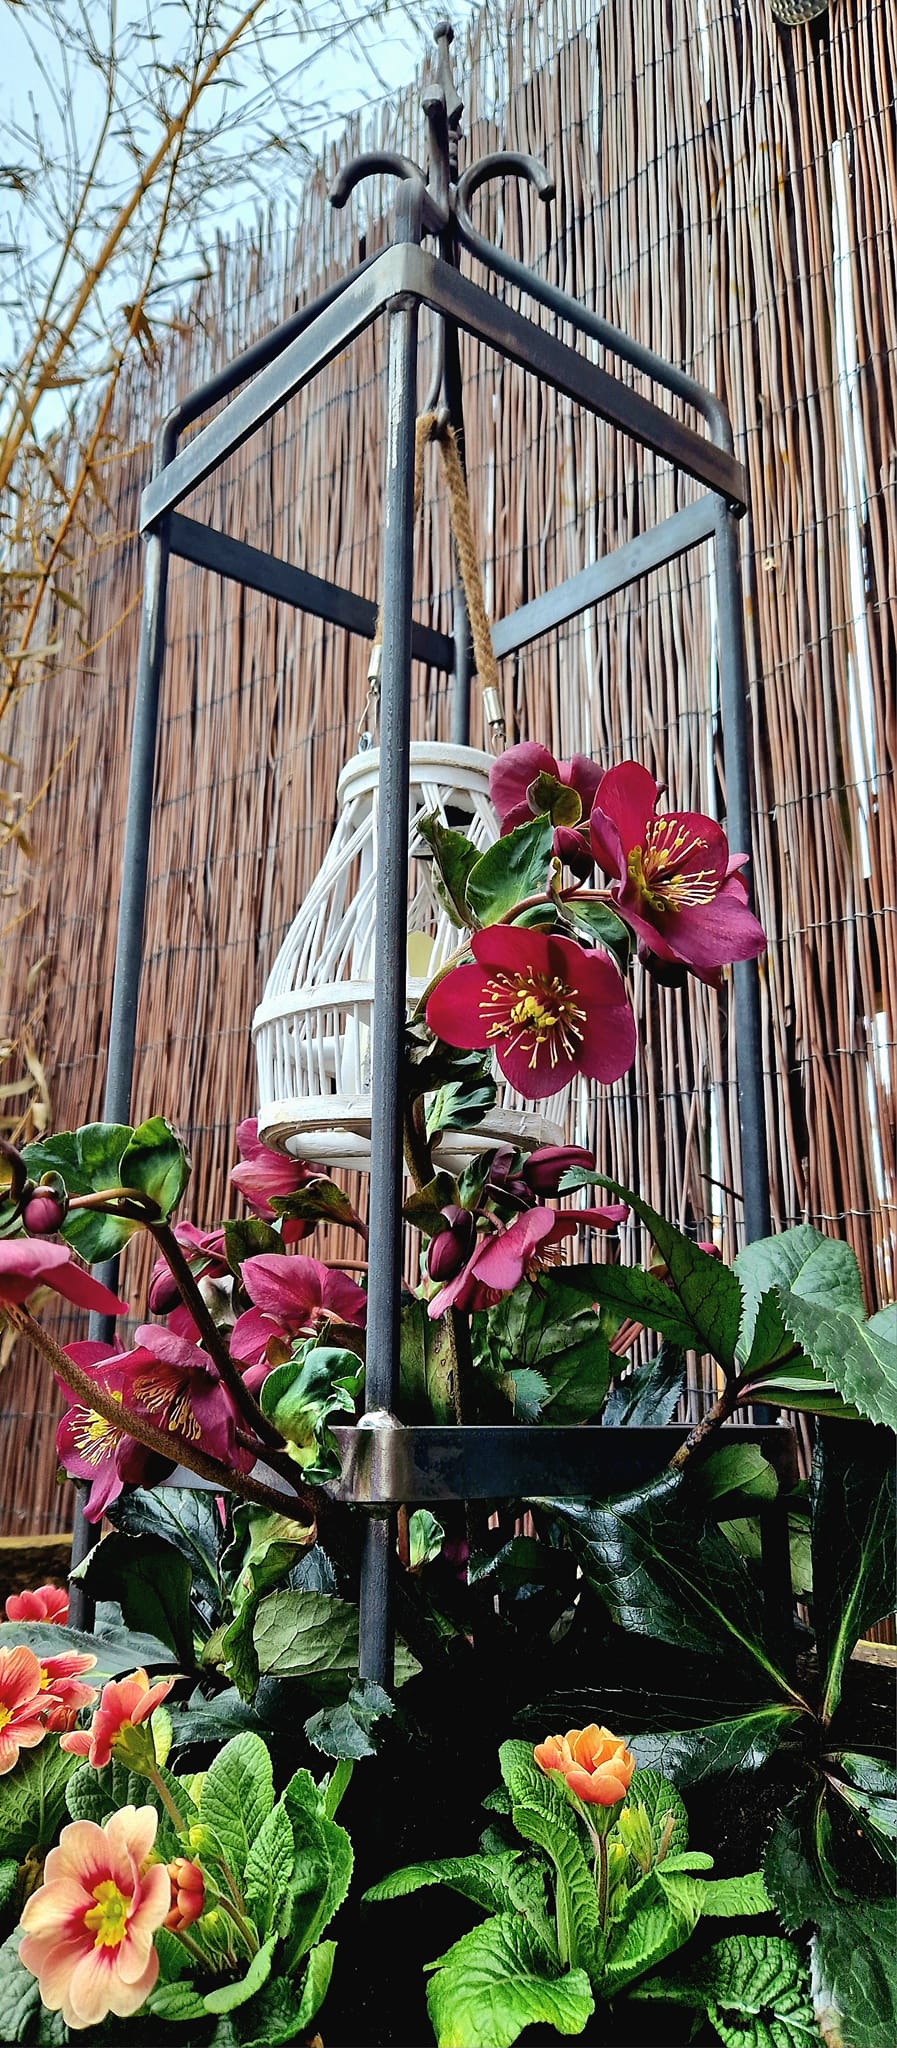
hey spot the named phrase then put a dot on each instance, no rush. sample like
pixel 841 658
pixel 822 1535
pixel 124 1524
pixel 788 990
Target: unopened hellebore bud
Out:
pixel 44 1213
pixel 449 1249
pixel 544 1170
pixel 162 1293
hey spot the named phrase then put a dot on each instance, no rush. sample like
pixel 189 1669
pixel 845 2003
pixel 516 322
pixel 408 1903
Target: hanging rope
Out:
pixel 434 426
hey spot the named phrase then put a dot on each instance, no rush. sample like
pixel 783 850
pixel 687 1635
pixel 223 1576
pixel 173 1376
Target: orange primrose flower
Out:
pixel 595 1765
pixel 24 1705
pixel 124 1703
pixel 188 1893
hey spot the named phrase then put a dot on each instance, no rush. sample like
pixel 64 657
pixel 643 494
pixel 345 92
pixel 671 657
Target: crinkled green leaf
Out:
pixel 497 1980
pixel 269 1869
pixel 176 2003
pixel 9 1875
pixel 150 1578
pixel 19 1994
pixel 664 1918
pixel 487 1880
pixel 345 1730
pixel 516 866
pixel 753 1988
pixel 314 1636
pixel 237 1797
pixel 322 1868
pixel 719 1748
pixel 314 1988
pixel 732 1898
pixel 32 1799
pixel 854 1538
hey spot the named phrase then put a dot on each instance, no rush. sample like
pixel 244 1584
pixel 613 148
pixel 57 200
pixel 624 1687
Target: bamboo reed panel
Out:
pixel 726 192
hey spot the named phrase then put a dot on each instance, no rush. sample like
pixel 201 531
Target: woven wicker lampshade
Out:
pixel 312 1029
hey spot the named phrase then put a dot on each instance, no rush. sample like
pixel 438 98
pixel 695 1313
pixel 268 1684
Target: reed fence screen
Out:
pixel 726 192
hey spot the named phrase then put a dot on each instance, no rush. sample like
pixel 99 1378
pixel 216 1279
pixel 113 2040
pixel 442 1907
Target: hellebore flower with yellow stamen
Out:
pixel 88 1930
pixel 526 781
pixel 546 1007
pixel 595 1765
pixel 90 1447
pixel 674 879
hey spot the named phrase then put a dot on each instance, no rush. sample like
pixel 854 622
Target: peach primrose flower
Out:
pixel 46 1603
pixel 61 1682
pixel 124 1704
pixel 88 1931
pixel 594 1764
pixel 188 1894
pixel 24 1704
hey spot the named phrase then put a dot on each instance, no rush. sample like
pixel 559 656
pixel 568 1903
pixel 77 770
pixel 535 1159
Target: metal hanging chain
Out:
pixel 434 426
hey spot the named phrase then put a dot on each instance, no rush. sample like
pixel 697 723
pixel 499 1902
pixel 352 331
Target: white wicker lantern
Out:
pixel 312 1029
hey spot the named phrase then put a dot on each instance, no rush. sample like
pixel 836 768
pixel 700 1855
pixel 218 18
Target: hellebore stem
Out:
pixel 165 1443
pixel 214 1342
pixel 722 1408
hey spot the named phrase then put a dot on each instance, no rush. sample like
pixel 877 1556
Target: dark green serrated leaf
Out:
pixel 648 1396
pixel 515 867
pixel 719 1748
pixel 499 1979
pixel 186 1518
pixel 151 1581
pixel 631 1292
pixel 854 1498
pixel 707 1291
pixel 663 1571
pixel 854 1943
pixel 858 1358
pixel 822 1268
pixel 345 1731
pixel 752 1986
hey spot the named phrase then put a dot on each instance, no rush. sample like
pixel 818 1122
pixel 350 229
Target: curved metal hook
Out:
pixel 510 163
pixel 378 163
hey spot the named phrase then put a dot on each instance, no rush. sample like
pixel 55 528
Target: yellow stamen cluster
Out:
pixel 93 1436
pixel 656 868
pixel 532 1010
pixel 109 1917
pixel 177 1409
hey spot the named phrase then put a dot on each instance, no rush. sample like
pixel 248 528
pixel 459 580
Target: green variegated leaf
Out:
pixel 499 1979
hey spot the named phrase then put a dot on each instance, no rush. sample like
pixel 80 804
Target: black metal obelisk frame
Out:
pixel 383 1463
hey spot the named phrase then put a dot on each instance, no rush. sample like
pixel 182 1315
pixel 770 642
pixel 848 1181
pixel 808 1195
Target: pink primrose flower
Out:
pixel 89 1928
pixel 674 879
pixel 546 1007
pixel 513 781
pixel 124 1703
pixel 61 1681
pixel 24 1705
pixel 27 1263
pixel 293 1298
pixel 46 1603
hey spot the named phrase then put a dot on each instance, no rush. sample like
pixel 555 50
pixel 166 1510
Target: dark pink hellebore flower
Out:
pixel 205 1254
pixel 88 1447
pixel 547 1008
pixel 499 1261
pixel 293 1298
pixel 513 776
pixel 263 1174
pixel 674 880
pixel 27 1263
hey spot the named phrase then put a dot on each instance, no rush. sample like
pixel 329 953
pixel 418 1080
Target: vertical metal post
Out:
pixel 460 725
pixel 131 908
pixel 749 1044
pixel 390 967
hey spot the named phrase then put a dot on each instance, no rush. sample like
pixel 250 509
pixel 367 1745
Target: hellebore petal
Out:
pixel 27 1263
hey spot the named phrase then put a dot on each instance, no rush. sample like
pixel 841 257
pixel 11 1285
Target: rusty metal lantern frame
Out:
pixel 385 1464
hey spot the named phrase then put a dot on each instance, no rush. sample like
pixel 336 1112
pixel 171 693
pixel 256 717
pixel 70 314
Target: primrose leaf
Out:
pixel 32 1798
pixel 499 1979
pixel 269 1869
pixel 237 1797
pixel 662 1804
pixel 515 867
pixel 20 2000
pixel 753 1988
pixel 487 1880
pixel 322 1867
pixel 229 1996
pixel 732 1898
pixel 663 1918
